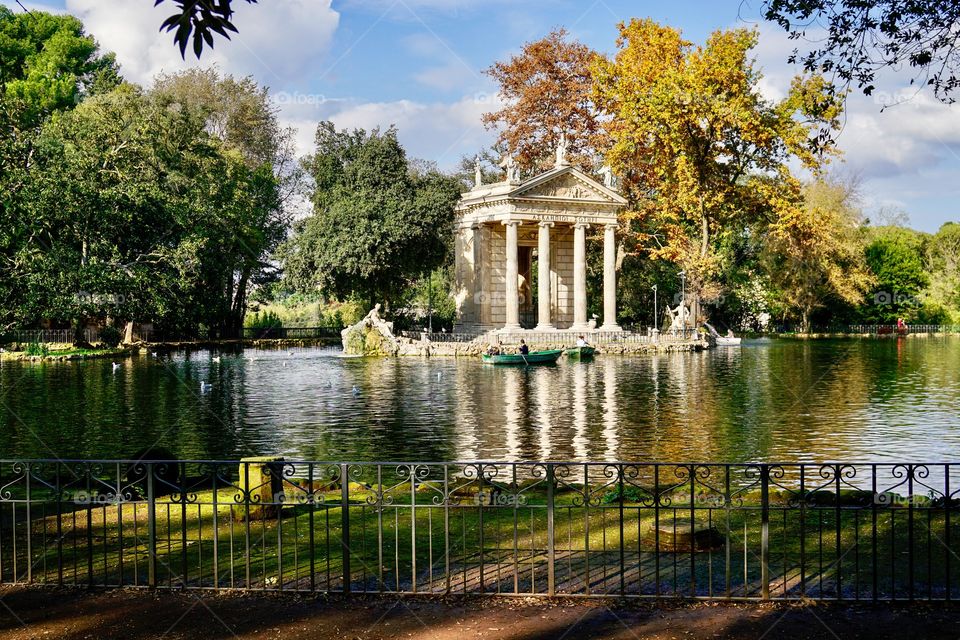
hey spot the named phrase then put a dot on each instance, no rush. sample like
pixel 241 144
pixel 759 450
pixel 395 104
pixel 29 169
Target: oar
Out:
pixel 525 363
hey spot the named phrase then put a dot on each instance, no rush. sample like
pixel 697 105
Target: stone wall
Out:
pixel 480 345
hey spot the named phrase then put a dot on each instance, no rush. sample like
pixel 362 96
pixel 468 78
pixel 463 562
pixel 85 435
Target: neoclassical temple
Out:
pixel 503 229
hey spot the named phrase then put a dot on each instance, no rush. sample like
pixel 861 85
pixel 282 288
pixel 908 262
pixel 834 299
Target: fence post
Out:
pixel 151 529
pixel 765 531
pixel 345 523
pixel 29 524
pixel 551 549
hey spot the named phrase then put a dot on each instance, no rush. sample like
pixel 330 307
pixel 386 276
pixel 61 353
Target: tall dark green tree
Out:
pixel 377 223
pixel 895 255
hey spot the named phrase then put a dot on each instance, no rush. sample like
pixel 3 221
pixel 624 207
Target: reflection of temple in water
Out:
pixel 605 410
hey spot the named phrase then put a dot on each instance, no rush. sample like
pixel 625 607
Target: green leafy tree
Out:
pixel 942 262
pixel 895 256
pixel 48 63
pixel 377 225
pixel 135 211
pixel 264 178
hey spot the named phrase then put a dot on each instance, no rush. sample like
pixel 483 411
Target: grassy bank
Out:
pixel 61 351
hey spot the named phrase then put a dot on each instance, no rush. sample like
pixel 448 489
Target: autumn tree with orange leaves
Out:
pixel 547 89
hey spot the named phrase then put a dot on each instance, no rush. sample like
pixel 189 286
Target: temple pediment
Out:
pixel 567 184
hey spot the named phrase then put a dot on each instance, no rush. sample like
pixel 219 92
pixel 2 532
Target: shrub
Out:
pixel 265 320
pixel 37 349
pixel 110 336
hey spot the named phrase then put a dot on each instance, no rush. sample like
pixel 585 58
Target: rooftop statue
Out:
pixel 477 174
pixel 512 169
pixel 562 152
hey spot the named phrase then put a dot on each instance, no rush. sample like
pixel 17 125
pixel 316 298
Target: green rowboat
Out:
pixel 581 353
pixel 534 357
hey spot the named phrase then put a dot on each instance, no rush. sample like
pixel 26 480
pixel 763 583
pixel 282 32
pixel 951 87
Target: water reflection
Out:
pixel 772 400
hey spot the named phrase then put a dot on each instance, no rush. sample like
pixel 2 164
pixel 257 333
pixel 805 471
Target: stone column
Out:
pixel 544 300
pixel 580 276
pixel 609 279
pixel 478 294
pixel 512 277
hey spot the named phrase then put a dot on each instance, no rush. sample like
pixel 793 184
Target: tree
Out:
pixel 895 256
pixel 699 151
pixel 238 113
pixel 376 225
pixel 942 263
pixel 864 38
pixel 547 88
pixel 134 211
pixel 814 250
pixel 48 64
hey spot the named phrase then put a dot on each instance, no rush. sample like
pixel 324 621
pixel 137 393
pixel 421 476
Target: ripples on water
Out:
pixel 857 400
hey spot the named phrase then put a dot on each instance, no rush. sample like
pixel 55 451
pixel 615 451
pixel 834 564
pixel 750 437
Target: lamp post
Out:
pixel 654 287
pixel 683 300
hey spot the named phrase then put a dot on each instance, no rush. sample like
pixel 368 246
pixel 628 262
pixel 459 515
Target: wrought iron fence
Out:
pixel 717 531
pixel 291 333
pixel 66 336
pixel 442 336
pixel 868 329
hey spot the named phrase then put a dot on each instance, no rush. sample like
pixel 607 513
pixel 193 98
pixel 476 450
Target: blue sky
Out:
pixel 418 64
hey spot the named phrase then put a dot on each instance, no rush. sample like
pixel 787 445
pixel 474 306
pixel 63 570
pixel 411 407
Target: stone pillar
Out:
pixel 544 299
pixel 512 277
pixel 610 279
pixel 580 276
pixel 478 297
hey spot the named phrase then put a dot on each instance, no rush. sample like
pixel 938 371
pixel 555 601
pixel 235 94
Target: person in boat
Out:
pixel 494 349
pixel 582 342
pixel 524 349
pixel 730 333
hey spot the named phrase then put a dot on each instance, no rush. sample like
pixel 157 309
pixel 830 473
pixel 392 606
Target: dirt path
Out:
pixel 76 614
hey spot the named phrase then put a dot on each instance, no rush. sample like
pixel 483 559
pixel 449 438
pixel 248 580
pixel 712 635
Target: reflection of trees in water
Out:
pixel 783 400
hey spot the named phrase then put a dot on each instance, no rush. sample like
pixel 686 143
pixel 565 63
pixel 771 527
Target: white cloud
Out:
pixel 903 143
pixel 279 43
pixel 436 131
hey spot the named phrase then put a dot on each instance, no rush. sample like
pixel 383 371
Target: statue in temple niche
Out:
pixel 512 168
pixel 524 291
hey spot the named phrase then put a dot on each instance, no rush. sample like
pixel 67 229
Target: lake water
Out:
pixel 771 400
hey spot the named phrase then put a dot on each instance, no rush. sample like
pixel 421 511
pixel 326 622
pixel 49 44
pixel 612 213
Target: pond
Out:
pixel 770 400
